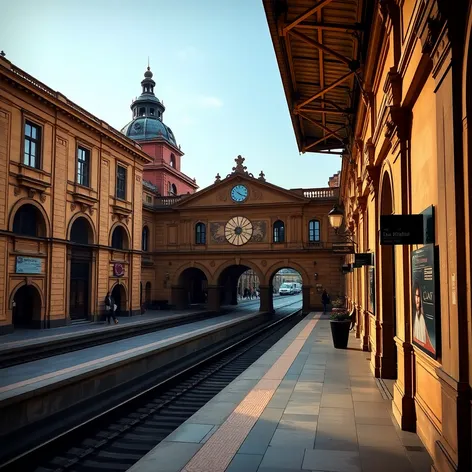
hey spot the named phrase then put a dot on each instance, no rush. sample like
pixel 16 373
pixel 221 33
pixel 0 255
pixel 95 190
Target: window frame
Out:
pixel 314 230
pixel 172 161
pixel 200 234
pixel 117 187
pixel 145 239
pixel 277 230
pixel 38 142
pixel 88 150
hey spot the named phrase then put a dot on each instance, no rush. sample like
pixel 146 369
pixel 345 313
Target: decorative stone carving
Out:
pixel 42 197
pixel 369 151
pixel 222 196
pixel 393 87
pixel 16 191
pixel 217 232
pixel 240 168
pixel 262 176
pixel 73 206
pixel 31 193
pixel 217 178
pixel 256 194
pixel 264 263
pixel 259 231
pixel 212 264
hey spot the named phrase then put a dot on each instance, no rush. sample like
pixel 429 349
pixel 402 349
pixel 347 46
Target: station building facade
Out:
pixel 87 209
pixel 406 152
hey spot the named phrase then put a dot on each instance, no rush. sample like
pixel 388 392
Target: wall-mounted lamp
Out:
pixel 316 275
pixel 335 217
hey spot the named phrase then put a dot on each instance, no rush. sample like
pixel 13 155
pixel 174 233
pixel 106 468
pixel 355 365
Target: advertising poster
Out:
pixel 371 290
pixel 425 304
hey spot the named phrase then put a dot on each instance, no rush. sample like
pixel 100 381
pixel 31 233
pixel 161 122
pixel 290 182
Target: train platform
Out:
pixel 303 406
pixel 27 344
pixel 35 390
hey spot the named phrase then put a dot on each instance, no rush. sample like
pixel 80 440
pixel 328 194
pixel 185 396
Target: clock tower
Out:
pixel 158 141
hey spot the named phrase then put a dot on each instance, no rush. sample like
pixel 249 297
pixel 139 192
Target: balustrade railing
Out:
pixel 318 193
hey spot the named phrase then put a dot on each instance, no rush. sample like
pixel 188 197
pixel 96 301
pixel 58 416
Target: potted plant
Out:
pixel 340 322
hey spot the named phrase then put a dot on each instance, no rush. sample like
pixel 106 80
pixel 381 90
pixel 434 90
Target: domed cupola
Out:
pixel 148 112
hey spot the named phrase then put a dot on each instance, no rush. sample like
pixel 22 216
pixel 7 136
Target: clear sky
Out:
pixel 214 67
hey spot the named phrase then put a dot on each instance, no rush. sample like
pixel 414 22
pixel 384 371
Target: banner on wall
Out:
pixel 425 305
pixel 372 290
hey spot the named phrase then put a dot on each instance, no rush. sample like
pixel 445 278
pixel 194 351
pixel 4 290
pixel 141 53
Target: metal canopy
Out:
pixel 319 45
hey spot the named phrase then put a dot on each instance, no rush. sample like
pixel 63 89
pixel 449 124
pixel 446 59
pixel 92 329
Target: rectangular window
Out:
pixel 83 166
pixel 32 151
pixel 121 182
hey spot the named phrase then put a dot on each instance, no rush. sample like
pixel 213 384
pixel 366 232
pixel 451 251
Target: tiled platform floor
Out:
pixel 308 406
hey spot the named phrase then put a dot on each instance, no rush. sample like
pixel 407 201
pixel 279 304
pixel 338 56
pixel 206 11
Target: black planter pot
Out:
pixel 340 333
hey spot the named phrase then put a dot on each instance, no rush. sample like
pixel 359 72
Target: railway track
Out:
pixel 119 437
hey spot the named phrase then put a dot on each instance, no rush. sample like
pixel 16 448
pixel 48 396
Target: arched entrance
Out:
pixel 287 282
pixel 26 307
pixel 192 289
pixel 387 354
pixel 119 295
pixel 80 269
pixel 237 280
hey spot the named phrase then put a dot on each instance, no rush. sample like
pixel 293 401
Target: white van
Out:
pixel 286 289
pixel 297 287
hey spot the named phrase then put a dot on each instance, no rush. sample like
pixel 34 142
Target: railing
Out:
pixel 317 193
pixel 167 201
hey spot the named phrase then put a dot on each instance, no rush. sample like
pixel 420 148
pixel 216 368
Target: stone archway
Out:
pixel 26 307
pixel 386 355
pixel 191 288
pixel 119 295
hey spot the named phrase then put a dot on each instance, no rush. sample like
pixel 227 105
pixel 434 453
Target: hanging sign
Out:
pixel 363 259
pixel 401 229
pixel 425 312
pixel 118 269
pixel 346 268
pixel 28 265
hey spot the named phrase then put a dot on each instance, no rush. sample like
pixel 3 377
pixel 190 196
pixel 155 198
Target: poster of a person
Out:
pixel 420 330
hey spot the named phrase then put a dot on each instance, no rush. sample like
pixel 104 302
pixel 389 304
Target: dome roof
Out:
pixel 146 128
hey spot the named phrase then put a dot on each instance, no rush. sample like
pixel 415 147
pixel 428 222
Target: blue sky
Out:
pixel 214 67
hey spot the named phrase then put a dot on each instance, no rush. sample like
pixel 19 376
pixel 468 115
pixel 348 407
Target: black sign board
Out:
pixel 401 229
pixel 363 259
pixel 425 303
pixel 428 218
pixel 346 268
pixel 343 248
pixel 372 290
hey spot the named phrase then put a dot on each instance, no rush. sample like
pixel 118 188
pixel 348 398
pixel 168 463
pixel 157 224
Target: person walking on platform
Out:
pixel 325 300
pixel 110 308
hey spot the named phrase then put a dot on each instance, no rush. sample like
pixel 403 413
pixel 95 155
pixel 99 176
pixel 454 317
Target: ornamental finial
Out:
pixel 217 178
pixel 262 176
pixel 240 168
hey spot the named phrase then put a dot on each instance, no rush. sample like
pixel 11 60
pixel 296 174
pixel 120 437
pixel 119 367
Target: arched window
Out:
pixel 172 160
pixel 119 239
pixel 81 232
pixel 28 221
pixel 200 233
pixel 151 111
pixel 145 239
pixel 142 111
pixel 314 234
pixel 279 232
pixel 172 189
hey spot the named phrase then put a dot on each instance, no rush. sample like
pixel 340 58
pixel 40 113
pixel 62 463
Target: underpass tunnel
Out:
pixel 287 282
pixel 192 289
pixel 229 283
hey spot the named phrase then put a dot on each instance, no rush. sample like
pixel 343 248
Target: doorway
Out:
pixel 26 307
pixel 388 316
pixel 79 289
pixel 119 295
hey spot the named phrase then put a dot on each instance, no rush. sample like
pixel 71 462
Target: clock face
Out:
pixel 239 193
pixel 238 230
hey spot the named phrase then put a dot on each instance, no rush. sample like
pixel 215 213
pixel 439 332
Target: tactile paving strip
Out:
pixel 217 453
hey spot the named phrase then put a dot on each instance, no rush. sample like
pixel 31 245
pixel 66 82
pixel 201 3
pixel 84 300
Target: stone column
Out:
pixel 306 291
pixel 213 303
pixel 267 304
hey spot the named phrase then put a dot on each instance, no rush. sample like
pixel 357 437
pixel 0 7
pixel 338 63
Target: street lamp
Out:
pixel 335 217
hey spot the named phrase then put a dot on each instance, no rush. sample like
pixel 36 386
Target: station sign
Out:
pixel 343 248
pixel 401 229
pixel 363 259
